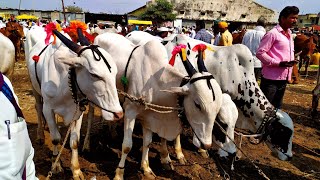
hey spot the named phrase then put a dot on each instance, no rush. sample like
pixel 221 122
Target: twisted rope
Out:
pixel 62 146
pixel 149 106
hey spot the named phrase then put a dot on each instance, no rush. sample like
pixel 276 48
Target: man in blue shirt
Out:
pixel 202 33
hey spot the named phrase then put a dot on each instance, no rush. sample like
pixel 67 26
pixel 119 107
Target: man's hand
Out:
pixel 288 63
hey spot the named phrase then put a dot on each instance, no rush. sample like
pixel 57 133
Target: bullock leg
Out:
pixel 129 121
pixel 74 142
pixel 295 75
pixel 86 143
pixel 41 120
pixel 164 154
pixel 178 150
pixel 306 67
pixel 55 136
pixel 147 139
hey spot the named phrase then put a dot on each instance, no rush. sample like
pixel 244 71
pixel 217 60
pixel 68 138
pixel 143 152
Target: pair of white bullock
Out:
pixel 92 73
pixel 232 67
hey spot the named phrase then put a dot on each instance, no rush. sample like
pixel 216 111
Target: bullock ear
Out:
pixel 184 90
pixel 71 61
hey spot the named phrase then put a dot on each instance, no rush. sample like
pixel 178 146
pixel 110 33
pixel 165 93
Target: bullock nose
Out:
pixel 118 115
pixel 289 158
pixel 206 146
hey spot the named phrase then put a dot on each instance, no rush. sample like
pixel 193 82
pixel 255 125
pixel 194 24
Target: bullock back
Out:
pixel 14 31
pixel 305 44
pixel 237 37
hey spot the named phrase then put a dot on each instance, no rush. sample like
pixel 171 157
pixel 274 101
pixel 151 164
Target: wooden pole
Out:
pixel 19 7
pixel 64 12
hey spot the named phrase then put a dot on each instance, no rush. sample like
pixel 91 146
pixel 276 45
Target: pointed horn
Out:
pixel 200 62
pixel 71 45
pixel 83 40
pixel 189 68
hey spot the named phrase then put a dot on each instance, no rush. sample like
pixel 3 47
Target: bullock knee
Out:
pixel 73 140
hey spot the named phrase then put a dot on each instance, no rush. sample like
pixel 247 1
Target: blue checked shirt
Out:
pixel 203 35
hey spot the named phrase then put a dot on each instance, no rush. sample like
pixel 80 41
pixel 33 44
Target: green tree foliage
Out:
pixel 74 9
pixel 159 12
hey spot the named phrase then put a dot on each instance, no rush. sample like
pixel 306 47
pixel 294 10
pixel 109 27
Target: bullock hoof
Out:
pixel 254 140
pixel 149 175
pixel 203 153
pixel 119 174
pixel 78 175
pixel 238 156
pixel 168 166
pixel 57 169
pixel 182 161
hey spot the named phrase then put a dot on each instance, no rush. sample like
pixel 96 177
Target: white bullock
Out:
pixel 7 56
pixel 151 77
pixel 232 67
pixel 16 151
pixel 225 144
pixel 140 37
pixel 34 35
pixel 88 71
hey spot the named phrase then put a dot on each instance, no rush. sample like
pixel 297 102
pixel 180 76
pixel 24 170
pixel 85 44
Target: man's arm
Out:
pixel 262 52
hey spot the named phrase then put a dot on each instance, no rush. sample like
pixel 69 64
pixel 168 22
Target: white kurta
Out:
pixel 17 152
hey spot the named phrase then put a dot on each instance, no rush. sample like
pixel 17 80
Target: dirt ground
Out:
pixel 103 159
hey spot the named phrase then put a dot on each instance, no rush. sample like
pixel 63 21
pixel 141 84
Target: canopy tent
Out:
pixel 26 16
pixel 133 21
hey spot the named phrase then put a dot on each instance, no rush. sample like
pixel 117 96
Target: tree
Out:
pixel 74 9
pixel 159 12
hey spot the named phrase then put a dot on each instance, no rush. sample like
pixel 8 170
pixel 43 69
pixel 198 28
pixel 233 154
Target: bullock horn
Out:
pixel 71 45
pixel 189 68
pixel 83 40
pixel 200 62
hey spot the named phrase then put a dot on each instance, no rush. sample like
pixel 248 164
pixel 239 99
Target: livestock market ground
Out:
pixel 103 159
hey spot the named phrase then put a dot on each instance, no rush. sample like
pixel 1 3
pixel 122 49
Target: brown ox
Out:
pixel 306 45
pixel 237 37
pixel 14 31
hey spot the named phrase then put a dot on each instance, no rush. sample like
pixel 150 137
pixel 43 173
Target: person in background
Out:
pixel 119 29
pixel 162 32
pixel 216 34
pixel 276 52
pixel 252 40
pixel 202 33
pixel 226 37
pixel 193 32
pixel 315 58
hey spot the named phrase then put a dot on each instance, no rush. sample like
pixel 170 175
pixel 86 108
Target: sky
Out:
pixel 124 6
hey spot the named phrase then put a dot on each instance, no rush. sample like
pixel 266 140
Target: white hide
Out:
pixel 7 58
pixel 140 37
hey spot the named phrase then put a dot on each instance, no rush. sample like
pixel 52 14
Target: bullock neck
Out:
pixel 79 97
pixel 253 104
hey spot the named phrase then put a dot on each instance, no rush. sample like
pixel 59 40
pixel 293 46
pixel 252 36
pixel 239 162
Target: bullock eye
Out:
pixel 96 76
pixel 197 105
